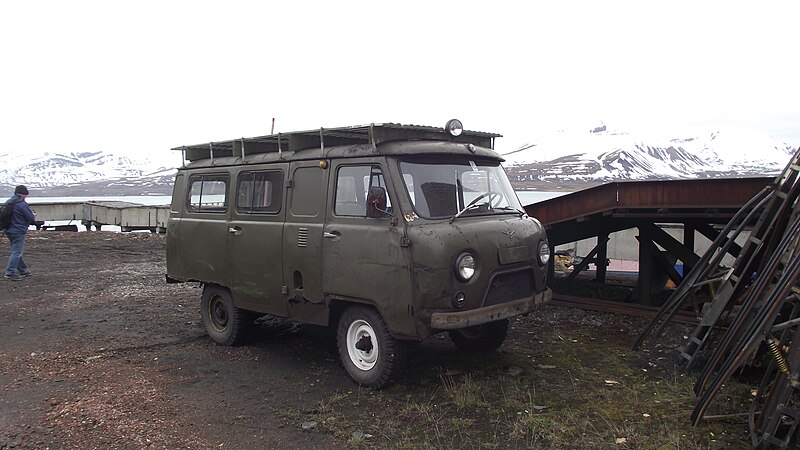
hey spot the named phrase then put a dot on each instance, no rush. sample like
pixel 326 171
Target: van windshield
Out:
pixel 450 189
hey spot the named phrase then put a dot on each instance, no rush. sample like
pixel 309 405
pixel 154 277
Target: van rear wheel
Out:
pixel 369 353
pixel 481 338
pixel 224 322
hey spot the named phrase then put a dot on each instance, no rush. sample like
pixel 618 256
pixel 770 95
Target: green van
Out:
pixel 390 233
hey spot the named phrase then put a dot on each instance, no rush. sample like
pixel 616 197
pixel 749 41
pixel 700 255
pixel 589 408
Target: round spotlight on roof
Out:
pixel 454 127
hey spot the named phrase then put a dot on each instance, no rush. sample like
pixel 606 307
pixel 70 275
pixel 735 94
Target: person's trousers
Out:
pixel 16 265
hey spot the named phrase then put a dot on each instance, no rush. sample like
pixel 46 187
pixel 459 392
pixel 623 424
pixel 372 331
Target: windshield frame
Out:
pixel 483 175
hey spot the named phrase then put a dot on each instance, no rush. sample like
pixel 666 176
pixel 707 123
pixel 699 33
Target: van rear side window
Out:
pixel 260 192
pixel 208 193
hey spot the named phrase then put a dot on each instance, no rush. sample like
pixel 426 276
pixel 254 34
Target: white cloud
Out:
pixel 148 76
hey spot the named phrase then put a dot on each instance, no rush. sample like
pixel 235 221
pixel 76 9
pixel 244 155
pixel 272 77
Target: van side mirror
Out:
pixel 376 202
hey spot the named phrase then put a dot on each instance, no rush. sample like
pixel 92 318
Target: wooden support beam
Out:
pixel 645 264
pixel 688 242
pixel 665 265
pixel 672 245
pixel 711 234
pixel 602 258
pixel 584 263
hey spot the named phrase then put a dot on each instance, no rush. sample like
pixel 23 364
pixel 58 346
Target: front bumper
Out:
pixel 479 316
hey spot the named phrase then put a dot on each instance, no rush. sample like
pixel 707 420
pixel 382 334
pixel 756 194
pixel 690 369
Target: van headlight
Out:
pixel 465 266
pixel 544 253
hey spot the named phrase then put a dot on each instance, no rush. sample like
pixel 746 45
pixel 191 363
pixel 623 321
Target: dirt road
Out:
pixel 97 351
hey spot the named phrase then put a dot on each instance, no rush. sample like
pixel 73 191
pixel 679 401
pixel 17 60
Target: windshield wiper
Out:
pixel 466 208
pixel 472 205
pixel 511 208
pixel 489 195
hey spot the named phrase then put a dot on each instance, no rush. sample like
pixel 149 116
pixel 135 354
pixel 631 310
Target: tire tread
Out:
pixel 393 350
pixel 494 333
pixel 239 321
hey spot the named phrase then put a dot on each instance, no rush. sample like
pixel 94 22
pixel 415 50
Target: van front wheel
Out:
pixel 224 322
pixel 370 355
pixel 481 338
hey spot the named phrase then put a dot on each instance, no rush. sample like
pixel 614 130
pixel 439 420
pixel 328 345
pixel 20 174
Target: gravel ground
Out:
pixel 97 351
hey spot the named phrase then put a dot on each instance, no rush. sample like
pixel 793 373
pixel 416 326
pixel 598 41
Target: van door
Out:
pixel 302 241
pixel 255 239
pixel 203 228
pixel 361 255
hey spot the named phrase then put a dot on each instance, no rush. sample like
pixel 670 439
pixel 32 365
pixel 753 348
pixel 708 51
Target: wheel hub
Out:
pixel 218 314
pixel 364 344
pixel 362 348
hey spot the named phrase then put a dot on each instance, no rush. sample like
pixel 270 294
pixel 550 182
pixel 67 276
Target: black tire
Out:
pixel 370 355
pixel 224 322
pixel 481 338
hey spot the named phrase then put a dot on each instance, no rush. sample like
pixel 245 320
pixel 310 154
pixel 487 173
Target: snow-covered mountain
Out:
pixel 97 173
pixel 571 159
pixel 599 155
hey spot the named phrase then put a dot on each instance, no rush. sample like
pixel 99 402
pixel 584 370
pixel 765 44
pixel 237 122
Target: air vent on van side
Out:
pixel 302 237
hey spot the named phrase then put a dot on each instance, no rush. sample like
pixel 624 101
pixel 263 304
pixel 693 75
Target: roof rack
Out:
pixel 373 134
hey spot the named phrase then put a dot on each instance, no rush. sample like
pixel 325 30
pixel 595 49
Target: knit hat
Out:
pixel 21 190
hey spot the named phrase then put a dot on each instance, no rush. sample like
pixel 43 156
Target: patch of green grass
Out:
pixel 565 391
pixel 463 393
pixel 460 423
pixel 536 429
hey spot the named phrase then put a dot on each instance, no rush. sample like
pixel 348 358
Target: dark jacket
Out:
pixel 22 217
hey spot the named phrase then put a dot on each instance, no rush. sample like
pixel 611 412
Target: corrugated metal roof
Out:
pixel 328 137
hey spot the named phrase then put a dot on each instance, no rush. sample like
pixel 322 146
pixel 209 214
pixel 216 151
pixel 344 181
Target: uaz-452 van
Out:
pixel 390 233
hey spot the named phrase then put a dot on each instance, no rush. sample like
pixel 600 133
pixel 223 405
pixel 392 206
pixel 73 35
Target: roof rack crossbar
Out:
pixel 322 142
pixel 373 134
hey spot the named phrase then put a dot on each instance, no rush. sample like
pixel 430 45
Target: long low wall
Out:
pixel 127 216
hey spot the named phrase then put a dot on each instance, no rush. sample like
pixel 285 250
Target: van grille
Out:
pixel 302 237
pixel 506 287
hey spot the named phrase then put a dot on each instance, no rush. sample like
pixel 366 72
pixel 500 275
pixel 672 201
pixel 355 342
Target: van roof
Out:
pixel 374 134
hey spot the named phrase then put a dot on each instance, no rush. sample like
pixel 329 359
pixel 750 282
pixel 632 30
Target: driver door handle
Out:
pixel 331 235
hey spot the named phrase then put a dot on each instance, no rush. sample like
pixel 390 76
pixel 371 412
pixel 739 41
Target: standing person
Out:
pixel 21 218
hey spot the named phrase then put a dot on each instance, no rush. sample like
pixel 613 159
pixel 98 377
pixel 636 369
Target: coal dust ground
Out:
pixel 98 351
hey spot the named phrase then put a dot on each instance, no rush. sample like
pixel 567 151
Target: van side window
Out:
pixel 307 191
pixel 352 186
pixel 260 192
pixel 208 193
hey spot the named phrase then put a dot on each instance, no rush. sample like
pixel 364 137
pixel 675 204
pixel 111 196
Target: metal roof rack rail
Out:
pixel 373 134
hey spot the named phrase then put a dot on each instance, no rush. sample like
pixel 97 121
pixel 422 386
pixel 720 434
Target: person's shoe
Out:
pixel 24 275
pixel 14 277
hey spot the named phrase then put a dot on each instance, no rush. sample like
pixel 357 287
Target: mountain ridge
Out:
pixel 561 160
pixel 599 156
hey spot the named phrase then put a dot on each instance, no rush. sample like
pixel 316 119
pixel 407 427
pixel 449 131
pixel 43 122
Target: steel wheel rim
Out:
pixel 363 360
pixel 218 313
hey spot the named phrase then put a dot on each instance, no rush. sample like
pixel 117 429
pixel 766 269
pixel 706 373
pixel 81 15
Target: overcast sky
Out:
pixel 147 76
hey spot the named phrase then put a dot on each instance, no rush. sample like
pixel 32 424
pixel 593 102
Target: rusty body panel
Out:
pixel 665 195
